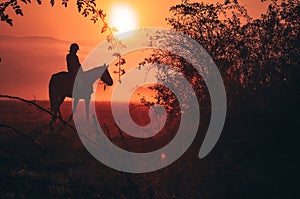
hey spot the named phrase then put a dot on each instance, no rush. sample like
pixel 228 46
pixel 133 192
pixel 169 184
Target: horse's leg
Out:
pixel 53 121
pixel 60 101
pixel 87 107
pixel 55 112
pixel 75 102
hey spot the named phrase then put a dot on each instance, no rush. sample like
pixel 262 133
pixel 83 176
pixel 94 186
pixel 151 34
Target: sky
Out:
pixel 35 47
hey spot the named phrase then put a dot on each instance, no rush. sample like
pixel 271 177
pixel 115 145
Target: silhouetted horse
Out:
pixel 61 85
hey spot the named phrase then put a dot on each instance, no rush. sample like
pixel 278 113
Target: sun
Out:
pixel 123 18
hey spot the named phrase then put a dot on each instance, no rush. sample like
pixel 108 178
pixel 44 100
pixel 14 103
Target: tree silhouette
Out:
pixel 251 54
pixel 85 7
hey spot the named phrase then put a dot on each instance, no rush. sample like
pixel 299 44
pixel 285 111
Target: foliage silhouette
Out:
pixel 85 7
pixel 251 54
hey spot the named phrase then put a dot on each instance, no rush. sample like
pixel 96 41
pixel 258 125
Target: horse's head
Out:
pixel 106 78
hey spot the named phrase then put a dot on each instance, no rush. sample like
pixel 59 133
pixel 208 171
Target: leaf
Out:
pixel 79 5
pixel 103 30
pixel 64 3
pixel 122 61
pixel 24 1
pixel 19 12
pixel 85 12
pixel 16 7
pixel 93 2
pixel 122 72
pixel 94 19
pixel 9 21
pixel 109 38
pixel 101 13
pixel 116 54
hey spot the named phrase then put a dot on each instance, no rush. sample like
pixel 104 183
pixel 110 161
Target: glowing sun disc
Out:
pixel 123 18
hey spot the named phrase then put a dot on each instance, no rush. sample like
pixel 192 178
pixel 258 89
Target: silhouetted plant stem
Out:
pixel 39 107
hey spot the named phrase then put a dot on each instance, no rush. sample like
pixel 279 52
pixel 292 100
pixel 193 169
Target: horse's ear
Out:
pixel 105 65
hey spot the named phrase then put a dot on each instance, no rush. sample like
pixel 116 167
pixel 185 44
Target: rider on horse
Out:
pixel 62 84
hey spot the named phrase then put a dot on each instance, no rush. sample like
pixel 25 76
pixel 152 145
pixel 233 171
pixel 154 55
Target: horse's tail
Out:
pixel 52 94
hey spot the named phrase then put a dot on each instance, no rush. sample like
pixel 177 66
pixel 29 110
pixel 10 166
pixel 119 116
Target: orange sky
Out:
pixel 45 33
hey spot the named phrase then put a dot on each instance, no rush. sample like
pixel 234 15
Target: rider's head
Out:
pixel 74 48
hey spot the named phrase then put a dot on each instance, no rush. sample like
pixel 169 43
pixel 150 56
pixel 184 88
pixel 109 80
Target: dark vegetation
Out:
pixel 258 58
pixel 85 7
pixel 255 157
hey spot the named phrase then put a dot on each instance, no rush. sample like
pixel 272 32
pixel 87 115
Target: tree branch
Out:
pixel 39 107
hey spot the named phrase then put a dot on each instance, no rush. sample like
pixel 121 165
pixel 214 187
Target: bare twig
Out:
pixel 129 177
pixel 39 107
pixel 107 132
pixel 122 137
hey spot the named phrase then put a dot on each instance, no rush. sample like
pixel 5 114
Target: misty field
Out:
pixel 255 157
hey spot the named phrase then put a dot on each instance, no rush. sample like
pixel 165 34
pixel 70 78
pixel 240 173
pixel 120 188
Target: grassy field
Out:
pixel 256 157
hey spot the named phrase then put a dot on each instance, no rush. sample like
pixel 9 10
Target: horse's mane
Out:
pixel 93 74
